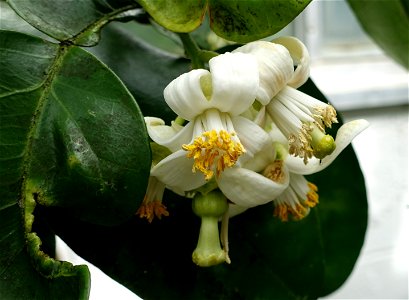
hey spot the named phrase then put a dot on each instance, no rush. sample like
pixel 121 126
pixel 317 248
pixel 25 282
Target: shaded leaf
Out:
pixel 13 22
pixel 76 21
pixel 387 22
pixel 343 213
pixel 71 135
pixel 145 70
pixel 239 21
pixel 270 259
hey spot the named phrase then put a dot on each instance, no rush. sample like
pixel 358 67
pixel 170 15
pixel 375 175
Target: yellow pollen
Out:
pixel 326 115
pixel 281 211
pixel 151 209
pixel 284 210
pixel 312 195
pixel 213 150
pixel 275 172
pixel 300 144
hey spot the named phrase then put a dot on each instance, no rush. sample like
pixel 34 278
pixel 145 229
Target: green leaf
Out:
pixel 11 21
pixel 178 16
pixel 270 259
pixel 239 21
pixel 145 70
pixel 246 21
pixel 343 213
pixel 72 136
pixel 78 22
pixel 387 22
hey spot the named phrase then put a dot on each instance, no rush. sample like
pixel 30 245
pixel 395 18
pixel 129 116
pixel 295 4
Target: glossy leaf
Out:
pixel 78 22
pixel 72 136
pixel 178 16
pixel 145 70
pixel 342 212
pixel 245 21
pixel 387 22
pixel 270 259
pixel 239 21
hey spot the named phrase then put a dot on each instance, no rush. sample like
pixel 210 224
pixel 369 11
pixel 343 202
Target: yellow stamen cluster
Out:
pixel 312 195
pixel 282 210
pixel 298 209
pixel 326 115
pixel 275 171
pixel 300 145
pixel 214 150
pixel 150 209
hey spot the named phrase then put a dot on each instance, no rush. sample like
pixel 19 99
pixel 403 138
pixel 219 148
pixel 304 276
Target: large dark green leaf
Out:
pixel 71 135
pixel 235 20
pixel 342 212
pixel 387 22
pixel 270 259
pixel 76 21
pixel 145 70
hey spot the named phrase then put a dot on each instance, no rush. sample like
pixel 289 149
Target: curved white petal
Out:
pixel 176 172
pixel 184 94
pixel 301 58
pixel 252 137
pixel 261 159
pixel 171 137
pixel 234 82
pixel 346 133
pixel 235 210
pixel 275 67
pixel 247 188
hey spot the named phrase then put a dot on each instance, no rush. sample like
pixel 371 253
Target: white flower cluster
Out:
pixel 248 131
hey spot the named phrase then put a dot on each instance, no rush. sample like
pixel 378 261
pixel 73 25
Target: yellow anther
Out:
pixel 151 209
pixel 327 115
pixel 275 171
pixel 284 210
pixel 281 212
pixel 214 151
pixel 312 195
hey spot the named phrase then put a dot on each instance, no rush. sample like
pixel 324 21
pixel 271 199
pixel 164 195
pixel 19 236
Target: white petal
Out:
pixel 235 82
pixel 252 137
pixel 301 58
pixel 184 94
pixel 275 67
pixel 176 172
pixel 261 159
pixel 171 137
pixel 235 210
pixel 346 133
pixel 247 188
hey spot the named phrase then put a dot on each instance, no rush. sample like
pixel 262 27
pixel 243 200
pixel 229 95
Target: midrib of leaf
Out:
pixel 98 24
pixel 27 197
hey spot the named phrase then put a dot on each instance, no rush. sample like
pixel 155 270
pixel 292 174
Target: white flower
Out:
pixel 273 174
pixel 302 195
pixel 276 61
pixel 300 117
pixel 259 181
pixel 216 137
pixel 303 120
pixel 296 200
